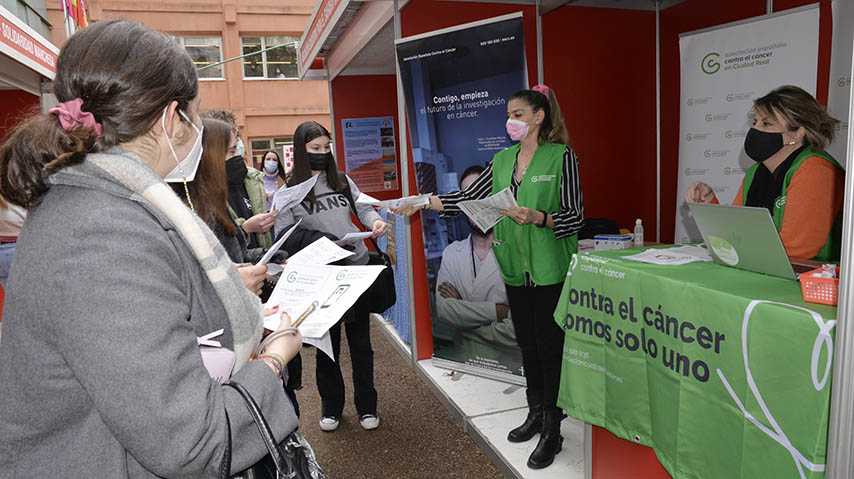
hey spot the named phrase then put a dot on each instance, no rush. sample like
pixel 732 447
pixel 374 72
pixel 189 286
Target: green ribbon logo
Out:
pixel 710 64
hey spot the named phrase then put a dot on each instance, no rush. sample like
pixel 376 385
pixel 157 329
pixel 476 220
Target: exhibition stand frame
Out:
pixel 615 67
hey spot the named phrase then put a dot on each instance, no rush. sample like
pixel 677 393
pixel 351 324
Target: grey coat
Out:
pixel 100 372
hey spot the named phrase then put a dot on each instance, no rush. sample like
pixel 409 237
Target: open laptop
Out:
pixel 745 237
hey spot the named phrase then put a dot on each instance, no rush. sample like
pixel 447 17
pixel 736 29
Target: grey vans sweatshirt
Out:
pixel 330 213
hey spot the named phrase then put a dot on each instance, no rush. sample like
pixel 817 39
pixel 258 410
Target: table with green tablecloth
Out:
pixel 724 373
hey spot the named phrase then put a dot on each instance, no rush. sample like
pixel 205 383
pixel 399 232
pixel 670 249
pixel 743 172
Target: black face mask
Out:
pixel 235 170
pixel 319 161
pixel 761 145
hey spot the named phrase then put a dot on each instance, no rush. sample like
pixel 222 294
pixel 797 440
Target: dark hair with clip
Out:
pixel 125 74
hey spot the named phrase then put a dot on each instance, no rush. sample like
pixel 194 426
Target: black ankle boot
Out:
pixel 532 425
pixel 550 440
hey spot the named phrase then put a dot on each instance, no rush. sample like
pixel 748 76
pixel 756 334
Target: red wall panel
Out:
pixel 365 96
pixel 15 105
pixel 601 64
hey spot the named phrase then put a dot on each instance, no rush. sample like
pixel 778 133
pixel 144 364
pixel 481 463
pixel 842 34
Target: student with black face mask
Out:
pixel 248 200
pixel 801 185
pixel 326 210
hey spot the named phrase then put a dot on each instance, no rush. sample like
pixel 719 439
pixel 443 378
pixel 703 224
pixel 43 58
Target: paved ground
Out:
pixel 417 439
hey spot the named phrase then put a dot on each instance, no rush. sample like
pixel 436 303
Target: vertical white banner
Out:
pixel 839 92
pixel 723 71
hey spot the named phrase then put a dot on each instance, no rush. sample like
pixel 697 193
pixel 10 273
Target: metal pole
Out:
pixel 658 121
pixel 295 44
pixel 404 186
pixel 769 7
pixel 332 113
pixel 65 18
pixel 540 75
pixel 840 441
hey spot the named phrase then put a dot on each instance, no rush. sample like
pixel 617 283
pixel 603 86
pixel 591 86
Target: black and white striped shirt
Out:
pixel 568 220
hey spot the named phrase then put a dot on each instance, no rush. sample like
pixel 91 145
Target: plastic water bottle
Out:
pixel 638 239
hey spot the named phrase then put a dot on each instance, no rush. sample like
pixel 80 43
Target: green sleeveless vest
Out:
pixel 522 249
pixel 832 248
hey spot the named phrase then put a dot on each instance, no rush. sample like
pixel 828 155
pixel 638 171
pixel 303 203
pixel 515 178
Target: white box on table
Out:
pixel 606 242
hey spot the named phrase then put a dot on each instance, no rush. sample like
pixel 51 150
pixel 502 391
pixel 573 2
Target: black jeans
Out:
pixel 539 337
pixel 330 382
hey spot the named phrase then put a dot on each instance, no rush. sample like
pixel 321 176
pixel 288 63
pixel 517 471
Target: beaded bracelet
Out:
pixel 277 356
pixel 277 365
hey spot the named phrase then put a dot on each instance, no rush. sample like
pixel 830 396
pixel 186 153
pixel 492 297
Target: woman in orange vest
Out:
pixel 801 185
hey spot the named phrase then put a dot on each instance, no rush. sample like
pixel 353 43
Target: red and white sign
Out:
pixel 22 43
pixel 327 12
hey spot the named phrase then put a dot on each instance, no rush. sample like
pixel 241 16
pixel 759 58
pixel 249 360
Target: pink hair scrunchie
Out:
pixel 70 115
pixel 542 89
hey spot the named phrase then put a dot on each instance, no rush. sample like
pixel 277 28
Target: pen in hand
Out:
pixel 305 314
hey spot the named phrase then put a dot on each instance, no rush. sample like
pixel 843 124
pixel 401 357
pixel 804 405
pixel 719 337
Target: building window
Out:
pixel 204 51
pixel 283 145
pixel 276 63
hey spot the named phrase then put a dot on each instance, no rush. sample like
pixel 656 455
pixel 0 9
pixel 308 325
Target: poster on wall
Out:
pixel 722 72
pixel 456 83
pixel 369 153
pixel 839 93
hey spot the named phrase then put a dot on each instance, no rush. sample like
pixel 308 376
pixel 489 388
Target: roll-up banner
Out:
pixel 839 92
pixel 456 84
pixel 723 71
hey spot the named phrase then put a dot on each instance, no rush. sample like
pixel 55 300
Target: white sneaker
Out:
pixel 329 424
pixel 369 421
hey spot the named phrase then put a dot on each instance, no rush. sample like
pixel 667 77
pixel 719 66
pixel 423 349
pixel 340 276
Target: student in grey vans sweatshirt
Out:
pixel 326 209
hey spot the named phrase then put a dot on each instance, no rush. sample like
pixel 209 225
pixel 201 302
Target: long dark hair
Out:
pixel 280 172
pixel 209 189
pixel 305 133
pixel 125 74
pixel 553 128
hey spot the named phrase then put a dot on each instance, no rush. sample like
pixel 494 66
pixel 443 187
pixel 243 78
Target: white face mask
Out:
pixel 188 167
pixel 239 149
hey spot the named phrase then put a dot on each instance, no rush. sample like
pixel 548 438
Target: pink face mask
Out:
pixel 517 129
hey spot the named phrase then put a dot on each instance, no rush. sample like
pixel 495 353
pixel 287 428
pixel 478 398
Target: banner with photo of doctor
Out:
pixel 456 84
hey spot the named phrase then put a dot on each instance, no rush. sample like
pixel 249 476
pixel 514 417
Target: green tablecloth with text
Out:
pixel 724 373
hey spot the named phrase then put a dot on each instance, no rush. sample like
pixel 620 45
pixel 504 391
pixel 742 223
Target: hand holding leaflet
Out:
pixel 270 252
pixel 419 200
pixel 486 213
pixel 334 288
pixel 286 197
pixel 351 238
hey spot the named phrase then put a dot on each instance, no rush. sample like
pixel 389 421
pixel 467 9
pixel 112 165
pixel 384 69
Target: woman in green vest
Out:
pixel 801 185
pixel 533 245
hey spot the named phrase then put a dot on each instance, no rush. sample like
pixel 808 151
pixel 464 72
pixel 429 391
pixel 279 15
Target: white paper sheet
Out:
pixel 351 238
pixel 323 343
pixel 699 251
pixel 322 251
pixel 419 200
pixel 286 197
pixel 664 257
pixel 270 252
pixel 335 288
pixel 486 213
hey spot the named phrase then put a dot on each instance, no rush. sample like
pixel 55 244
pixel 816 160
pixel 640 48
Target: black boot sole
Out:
pixel 544 465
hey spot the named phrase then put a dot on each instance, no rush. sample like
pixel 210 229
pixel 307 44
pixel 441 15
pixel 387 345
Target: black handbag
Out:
pixel 381 294
pixel 293 458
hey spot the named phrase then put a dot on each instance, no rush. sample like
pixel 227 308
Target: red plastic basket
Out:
pixel 820 290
